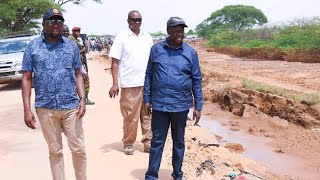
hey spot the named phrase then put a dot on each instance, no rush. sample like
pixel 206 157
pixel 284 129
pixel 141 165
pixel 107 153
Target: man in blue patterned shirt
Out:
pixel 55 63
pixel 173 79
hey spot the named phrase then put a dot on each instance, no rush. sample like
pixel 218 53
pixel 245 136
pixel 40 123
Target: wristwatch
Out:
pixel 82 98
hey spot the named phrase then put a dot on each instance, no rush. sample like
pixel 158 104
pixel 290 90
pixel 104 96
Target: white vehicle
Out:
pixel 11 55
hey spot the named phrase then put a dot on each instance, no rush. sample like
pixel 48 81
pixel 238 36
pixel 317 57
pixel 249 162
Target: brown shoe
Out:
pixel 146 149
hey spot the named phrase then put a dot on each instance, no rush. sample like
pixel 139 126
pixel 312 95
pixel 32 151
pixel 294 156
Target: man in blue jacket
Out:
pixel 172 84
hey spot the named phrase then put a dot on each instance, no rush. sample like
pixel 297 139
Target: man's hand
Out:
pixel 147 109
pixel 81 109
pixel 196 116
pixel 29 119
pixel 114 91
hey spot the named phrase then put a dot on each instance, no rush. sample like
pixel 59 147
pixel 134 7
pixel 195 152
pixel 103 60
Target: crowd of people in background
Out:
pixel 100 43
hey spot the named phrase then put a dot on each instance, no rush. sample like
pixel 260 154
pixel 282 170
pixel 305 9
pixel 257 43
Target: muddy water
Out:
pixel 257 148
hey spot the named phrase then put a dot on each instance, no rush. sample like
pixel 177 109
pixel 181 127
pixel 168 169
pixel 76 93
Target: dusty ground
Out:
pixel 221 158
pixel 224 74
pixel 23 152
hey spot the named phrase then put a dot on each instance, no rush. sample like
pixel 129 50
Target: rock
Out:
pixel 252 130
pixel 238 166
pixel 270 135
pixel 188 145
pixel 237 109
pixel 235 147
pixel 263 130
pixel 279 122
pixel 279 151
pixel 219 138
pixel 234 128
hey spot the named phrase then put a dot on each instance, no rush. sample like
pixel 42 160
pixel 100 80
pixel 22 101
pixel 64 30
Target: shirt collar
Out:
pixel 165 43
pixel 130 33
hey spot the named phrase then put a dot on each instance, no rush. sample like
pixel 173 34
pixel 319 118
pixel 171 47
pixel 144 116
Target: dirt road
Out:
pixel 24 154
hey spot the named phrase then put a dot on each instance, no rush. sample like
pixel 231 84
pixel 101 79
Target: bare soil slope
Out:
pixel 292 126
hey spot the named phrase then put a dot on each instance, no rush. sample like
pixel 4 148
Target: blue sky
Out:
pixel 110 17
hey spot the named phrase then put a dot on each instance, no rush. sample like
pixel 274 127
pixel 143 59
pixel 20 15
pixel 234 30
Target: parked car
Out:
pixel 11 55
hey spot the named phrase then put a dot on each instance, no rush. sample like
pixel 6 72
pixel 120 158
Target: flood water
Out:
pixel 257 148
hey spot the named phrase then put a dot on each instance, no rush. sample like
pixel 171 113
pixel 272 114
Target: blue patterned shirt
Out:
pixel 173 78
pixel 53 67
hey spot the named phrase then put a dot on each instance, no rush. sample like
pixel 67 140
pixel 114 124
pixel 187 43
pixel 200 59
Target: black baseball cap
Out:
pixel 53 12
pixel 175 21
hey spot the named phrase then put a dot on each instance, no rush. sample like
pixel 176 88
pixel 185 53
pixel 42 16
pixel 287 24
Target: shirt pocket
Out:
pixel 67 61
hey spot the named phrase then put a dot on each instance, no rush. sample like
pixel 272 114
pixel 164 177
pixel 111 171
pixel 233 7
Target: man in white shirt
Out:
pixel 130 53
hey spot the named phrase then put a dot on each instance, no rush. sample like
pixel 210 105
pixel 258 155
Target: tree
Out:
pixel 20 15
pixel 157 34
pixel 77 2
pixel 234 17
pixel 190 33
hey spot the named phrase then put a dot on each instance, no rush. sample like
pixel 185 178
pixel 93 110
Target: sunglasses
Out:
pixel 136 20
pixel 52 22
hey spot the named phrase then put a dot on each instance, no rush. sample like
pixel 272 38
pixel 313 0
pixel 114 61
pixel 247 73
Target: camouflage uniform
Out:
pixel 84 63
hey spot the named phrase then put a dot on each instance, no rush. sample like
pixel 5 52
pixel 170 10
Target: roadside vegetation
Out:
pixel 309 99
pixel 237 30
pixel 25 15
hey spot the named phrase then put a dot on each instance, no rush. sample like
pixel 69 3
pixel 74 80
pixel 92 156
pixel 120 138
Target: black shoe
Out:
pixel 88 102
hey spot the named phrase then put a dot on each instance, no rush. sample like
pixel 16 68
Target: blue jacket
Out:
pixel 173 78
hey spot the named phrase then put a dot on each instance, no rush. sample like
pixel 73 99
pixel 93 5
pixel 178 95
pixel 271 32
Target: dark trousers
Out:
pixel 160 124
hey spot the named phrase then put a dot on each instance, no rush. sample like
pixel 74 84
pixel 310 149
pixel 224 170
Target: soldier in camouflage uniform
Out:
pixel 83 49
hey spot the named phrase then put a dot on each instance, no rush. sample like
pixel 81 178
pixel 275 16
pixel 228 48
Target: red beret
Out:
pixel 76 29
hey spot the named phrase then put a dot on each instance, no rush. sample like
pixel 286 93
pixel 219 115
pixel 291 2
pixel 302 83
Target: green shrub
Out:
pixel 224 38
pixel 309 99
pixel 298 38
pixel 299 34
pixel 255 43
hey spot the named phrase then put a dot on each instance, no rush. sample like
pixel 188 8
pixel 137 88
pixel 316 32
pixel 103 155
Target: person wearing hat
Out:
pixel 172 85
pixel 129 52
pixel 75 37
pixel 54 61
pixel 65 33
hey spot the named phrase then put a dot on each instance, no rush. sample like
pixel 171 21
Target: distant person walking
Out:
pixel 129 53
pixel 92 44
pixel 75 37
pixel 98 44
pixel 108 44
pixel 173 79
pixel 59 94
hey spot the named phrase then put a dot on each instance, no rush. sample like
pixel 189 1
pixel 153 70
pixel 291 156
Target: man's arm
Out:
pixel 147 87
pixel 114 90
pixel 29 118
pixel 196 88
pixel 84 48
pixel 81 93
